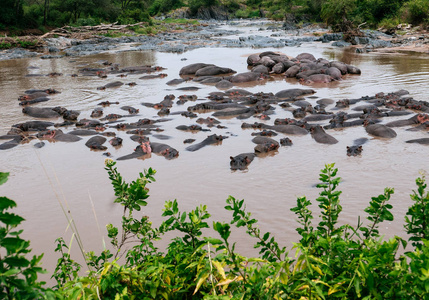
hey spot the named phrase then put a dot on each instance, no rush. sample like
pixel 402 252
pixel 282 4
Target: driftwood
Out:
pixel 69 30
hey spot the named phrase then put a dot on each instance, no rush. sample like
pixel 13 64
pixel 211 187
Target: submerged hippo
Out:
pixel 210 140
pixel 193 68
pixel 241 161
pixel 356 149
pixel 41 112
pixel 96 143
pixel 320 136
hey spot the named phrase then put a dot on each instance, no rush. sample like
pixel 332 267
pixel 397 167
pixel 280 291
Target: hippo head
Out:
pixel 240 162
pixel 266 147
pixel 354 150
pixel 422 118
pixel 342 103
pixel 286 142
pixel 170 153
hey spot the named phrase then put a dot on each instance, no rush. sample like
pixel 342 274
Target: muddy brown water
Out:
pixel 71 174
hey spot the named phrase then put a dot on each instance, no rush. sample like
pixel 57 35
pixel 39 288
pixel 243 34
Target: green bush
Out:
pixel 195 5
pixel 331 260
pixel 86 22
pixel 131 16
pixel 18 275
pixel 416 12
pixel 163 6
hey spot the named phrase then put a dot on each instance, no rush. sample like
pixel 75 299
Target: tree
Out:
pixel 337 14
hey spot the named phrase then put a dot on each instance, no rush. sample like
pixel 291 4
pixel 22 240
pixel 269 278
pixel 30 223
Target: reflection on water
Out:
pixel 73 175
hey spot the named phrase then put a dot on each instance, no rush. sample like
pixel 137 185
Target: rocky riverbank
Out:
pixel 179 38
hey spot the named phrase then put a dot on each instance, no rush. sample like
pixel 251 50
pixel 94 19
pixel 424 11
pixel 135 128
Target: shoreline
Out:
pixel 180 37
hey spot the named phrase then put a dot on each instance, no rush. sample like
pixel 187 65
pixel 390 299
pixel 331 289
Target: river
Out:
pixel 72 176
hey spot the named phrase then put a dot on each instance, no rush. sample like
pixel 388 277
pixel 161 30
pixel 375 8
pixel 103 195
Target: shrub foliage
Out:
pixel 330 261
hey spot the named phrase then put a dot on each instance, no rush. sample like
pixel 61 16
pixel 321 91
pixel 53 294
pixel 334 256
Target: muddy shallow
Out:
pixel 72 174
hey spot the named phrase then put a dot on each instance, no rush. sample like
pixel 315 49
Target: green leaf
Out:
pixel 20 262
pixel 141 202
pixel 213 241
pixel 11 219
pixel 6 203
pixel 14 244
pixel 3 177
pixel 10 272
pixel 183 217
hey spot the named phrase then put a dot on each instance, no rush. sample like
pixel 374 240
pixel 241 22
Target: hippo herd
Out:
pixel 317 119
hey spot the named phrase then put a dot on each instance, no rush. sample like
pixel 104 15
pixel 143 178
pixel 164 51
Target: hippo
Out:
pixel 241 161
pixel 340 66
pixel 33 95
pixel 96 143
pixel 334 72
pixel 224 84
pixel 246 77
pixel 107 103
pixel 266 61
pixel 210 140
pixel 253 59
pixel 14 141
pixel 40 112
pixel 318 78
pixel 278 68
pixel 424 127
pixel 233 111
pixel 213 70
pixel 379 130
pixel 85 123
pixel 292 71
pixel 47 91
pixel 193 68
pixel 189 141
pixel 356 149
pixel 68 115
pixel 422 141
pixel 188 114
pixel 83 132
pixel 116 142
pixel 261 69
pixel 131 110
pixel 160 75
pixel 33 101
pixel 286 142
pixel 211 80
pixel 97 113
pixel 353 70
pixel 287 129
pixel 114 84
pixel 175 81
pixel 264 133
pixel 33 125
pixel 306 56
pixel 320 136
pixel 416 119
pixel 265 144
pixel 58 136
pixel 209 121
pixel 193 128
pixel 293 93
pixel 164 150
pixel 144 149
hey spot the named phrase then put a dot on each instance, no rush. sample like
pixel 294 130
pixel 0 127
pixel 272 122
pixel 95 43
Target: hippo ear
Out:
pixel 232 158
pixel 360 148
pixel 348 148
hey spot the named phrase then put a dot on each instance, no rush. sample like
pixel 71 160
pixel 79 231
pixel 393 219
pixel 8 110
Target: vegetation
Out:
pixel 330 261
pixel 16 15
